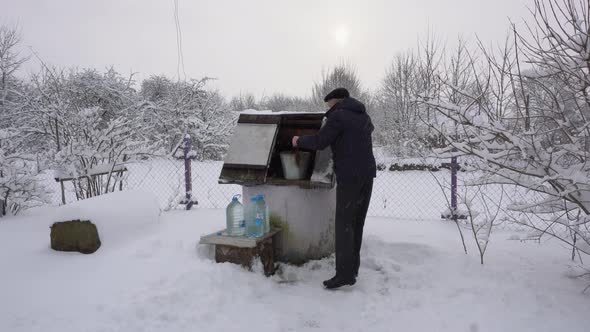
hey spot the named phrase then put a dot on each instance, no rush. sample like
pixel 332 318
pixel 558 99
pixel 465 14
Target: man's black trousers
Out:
pixel 352 203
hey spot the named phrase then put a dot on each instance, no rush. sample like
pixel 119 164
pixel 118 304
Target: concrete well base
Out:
pixel 306 217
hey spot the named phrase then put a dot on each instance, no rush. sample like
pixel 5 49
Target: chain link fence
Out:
pixel 401 191
pixel 165 178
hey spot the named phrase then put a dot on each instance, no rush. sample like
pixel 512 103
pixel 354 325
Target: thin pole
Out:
pixel 454 167
pixel 187 171
pixel 63 193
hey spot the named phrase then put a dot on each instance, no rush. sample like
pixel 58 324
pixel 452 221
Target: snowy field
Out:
pixel 149 275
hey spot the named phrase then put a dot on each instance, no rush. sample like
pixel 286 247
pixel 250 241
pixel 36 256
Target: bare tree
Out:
pixel 405 127
pixel 243 102
pixel 281 102
pixel 397 97
pixel 10 60
pixel 341 76
pixel 537 137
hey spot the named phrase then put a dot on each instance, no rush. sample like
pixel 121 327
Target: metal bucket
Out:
pixel 295 164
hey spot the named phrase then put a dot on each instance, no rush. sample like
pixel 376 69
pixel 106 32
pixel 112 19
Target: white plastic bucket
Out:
pixel 292 169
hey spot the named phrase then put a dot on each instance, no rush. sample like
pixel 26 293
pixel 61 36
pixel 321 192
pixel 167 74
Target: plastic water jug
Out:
pixel 261 203
pixel 234 218
pixel 255 218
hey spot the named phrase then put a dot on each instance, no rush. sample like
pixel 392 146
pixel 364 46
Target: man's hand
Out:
pixel 294 141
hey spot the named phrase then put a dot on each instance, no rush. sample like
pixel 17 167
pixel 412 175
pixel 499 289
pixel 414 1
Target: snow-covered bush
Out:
pixel 87 123
pixel 173 110
pixel 94 147
pixel 20 184
pixel 526 117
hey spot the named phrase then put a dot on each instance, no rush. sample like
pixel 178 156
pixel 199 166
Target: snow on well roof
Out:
pixel 270 112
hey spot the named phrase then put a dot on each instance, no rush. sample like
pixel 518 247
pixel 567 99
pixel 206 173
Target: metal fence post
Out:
pixel 454 166
pixel 187 172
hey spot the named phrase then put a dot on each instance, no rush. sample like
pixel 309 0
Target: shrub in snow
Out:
pixel 20 184
pixel 88 122
pixel 480 223
pixel 95 151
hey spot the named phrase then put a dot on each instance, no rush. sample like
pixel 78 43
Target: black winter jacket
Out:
pixel 347 131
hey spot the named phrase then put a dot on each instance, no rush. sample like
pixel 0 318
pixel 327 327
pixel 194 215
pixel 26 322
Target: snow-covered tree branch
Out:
pixel 525 116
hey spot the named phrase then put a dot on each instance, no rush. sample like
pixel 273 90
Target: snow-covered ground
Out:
pixel 153 277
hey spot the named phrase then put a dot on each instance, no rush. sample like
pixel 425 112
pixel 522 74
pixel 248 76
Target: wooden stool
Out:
pixel 242 250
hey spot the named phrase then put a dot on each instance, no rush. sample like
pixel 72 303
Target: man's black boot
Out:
pixel 337 282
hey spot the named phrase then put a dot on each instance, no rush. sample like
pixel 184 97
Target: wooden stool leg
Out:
pixel 266 254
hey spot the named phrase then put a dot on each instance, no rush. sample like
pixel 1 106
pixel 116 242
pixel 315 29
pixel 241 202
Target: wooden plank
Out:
pixel 236 241
pixel 287 118
pixel 302 120
pixel 304 184
pixel 303 115
pixel 282 118
pixel 242 166
pixel 242 176
pixel 260 118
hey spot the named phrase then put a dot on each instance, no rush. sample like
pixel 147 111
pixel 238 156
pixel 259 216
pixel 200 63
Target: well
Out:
pixel 305 208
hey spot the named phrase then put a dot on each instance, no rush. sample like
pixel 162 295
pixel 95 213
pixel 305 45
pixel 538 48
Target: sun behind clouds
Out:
pixel 341 35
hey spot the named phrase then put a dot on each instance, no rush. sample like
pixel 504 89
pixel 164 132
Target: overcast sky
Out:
pixel 259 46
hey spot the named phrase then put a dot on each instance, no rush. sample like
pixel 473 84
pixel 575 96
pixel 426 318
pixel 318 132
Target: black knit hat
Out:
pixel 337 93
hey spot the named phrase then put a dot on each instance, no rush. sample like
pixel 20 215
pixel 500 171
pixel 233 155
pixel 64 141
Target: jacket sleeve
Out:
pixel 327 134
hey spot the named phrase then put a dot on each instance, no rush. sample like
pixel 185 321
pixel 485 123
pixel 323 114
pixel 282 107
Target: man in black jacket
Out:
pixel 347 131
